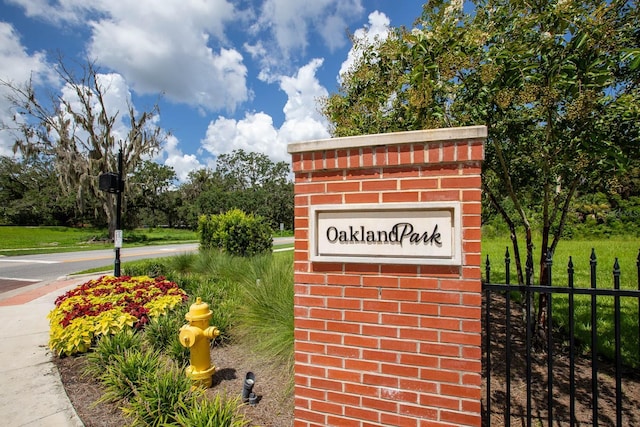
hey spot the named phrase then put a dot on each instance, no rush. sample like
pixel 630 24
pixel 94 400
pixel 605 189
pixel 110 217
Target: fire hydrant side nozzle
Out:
pixel 197 336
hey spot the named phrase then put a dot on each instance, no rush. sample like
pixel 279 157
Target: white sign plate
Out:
pixel 117 239
pixel 396 233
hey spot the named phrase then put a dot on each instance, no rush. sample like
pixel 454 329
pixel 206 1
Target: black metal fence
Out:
pixel 537 375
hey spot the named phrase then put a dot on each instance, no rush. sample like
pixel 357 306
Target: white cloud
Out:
pixel 303 121
pixel 377 30
pixel 176 47
pixel 16 68
pixel 166 46
pixel 291 21
pixel 181 163
pixel 285 28
pixel 256 131
pixel 69 11
pixel 180 47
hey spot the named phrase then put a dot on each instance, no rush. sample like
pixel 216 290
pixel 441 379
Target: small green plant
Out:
pixel 106 306
pixel 110 346
pixel 161 398
pixel 150 268
pixel 221 411
pixel 162 331
pixel 178 353
pixel 127 372
pixel 182 263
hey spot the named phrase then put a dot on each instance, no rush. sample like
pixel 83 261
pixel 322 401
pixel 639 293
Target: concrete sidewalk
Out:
pixel 31 392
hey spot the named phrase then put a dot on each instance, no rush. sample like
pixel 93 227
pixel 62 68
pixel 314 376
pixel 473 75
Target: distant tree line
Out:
pixel 31 193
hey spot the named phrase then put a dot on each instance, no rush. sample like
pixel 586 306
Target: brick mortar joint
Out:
pixel 311 170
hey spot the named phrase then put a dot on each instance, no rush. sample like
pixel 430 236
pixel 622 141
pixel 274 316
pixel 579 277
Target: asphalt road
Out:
pixel 18 271
pixel 46 267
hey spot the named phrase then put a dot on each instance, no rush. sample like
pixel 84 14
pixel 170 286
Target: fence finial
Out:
pixel 487 269
pixel 507 264
pixel 570 271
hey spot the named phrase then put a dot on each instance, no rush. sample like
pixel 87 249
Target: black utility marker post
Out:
pixel 118 236
pixel 113 183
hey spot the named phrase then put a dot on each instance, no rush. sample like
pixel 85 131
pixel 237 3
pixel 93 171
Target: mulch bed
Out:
pixel 274 407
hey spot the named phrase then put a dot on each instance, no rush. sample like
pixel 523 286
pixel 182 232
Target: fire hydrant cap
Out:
pixel 198 311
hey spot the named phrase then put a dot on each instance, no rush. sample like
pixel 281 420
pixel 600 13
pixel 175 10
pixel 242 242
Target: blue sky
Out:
pixel 226 74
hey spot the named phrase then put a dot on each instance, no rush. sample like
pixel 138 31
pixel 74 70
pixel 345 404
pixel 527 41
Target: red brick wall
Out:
pixel 387 344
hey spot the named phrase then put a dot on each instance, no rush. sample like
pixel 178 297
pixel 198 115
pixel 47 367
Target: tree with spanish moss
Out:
pixel 78 130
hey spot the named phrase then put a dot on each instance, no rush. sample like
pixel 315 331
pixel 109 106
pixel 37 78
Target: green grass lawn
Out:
pixel 33 240
pixel 606 250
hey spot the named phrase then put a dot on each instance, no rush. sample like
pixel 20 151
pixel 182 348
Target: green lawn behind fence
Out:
pixel 606 251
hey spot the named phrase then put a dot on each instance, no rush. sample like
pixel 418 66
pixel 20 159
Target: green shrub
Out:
pixel 161 398
pixel 109 346
pixel 235 233
pixel 219 412
pixel 151 268
pixel 127 372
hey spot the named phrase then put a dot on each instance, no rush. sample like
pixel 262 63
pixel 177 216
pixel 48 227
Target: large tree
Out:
pixel 82 135
pixel 151 197
pixel 244 180
pixel 556 83
pixel 258 185
pixel 29 194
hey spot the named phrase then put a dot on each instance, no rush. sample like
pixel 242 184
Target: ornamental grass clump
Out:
pixel 110 346
pixel 106 306
pixel 160 398
pixel 128 372
pixel 161 334
pixel 266 314
pixel 221 411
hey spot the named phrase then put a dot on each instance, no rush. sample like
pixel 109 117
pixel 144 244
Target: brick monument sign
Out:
pixel 387 279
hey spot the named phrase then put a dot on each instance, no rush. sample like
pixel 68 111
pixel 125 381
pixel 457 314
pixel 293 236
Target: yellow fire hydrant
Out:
pixel 197 336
